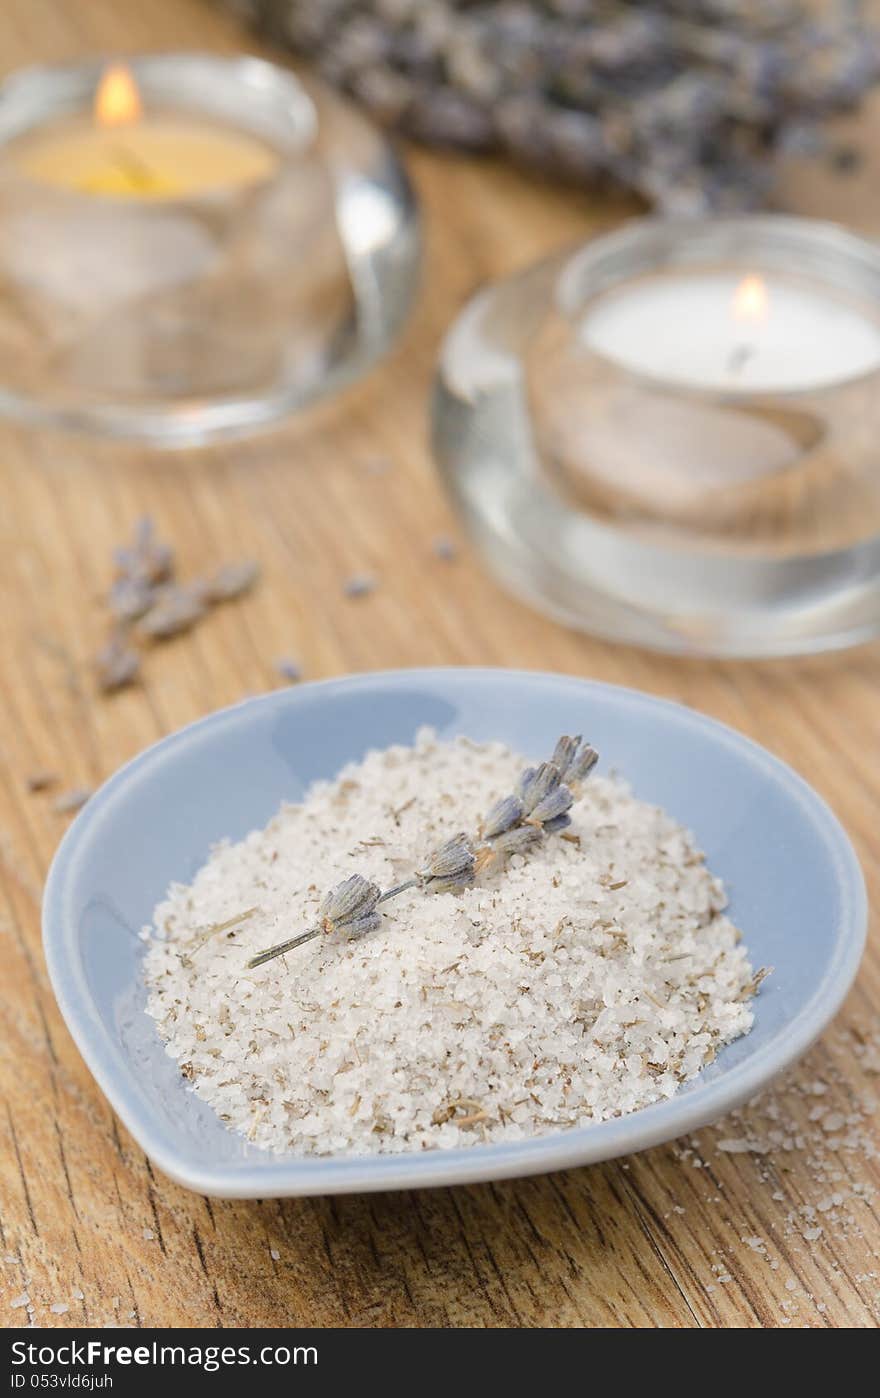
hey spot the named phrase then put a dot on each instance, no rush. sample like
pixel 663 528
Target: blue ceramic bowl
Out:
pixel 795 884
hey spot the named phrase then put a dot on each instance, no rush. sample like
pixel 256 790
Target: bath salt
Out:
pixel 585 979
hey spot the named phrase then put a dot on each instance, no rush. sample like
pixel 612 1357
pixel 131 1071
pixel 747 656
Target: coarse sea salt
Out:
pixel 585 980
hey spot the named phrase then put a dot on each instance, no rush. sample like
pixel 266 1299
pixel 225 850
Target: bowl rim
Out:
pixel 573 1146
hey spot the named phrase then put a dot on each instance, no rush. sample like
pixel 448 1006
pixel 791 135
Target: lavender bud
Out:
pixel 229 581
pixel 149 560
pixel 370 922
pixel 584 764
pixel 564 754
pixel 504 814
pixel 451 867
pixel 350 902
pixel 535 784
pixel 560 822
pixel 175 609
pixel 517 841
pixel 556 803
pixel 574 758
pixel 452 856
pixel 116 665
pixel 130 597
pixel 451 883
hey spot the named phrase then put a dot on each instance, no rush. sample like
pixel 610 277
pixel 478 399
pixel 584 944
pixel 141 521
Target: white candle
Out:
pixel 736 334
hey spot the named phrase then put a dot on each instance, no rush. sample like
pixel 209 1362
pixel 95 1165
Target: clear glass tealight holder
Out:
pixel 241 245
pixel 671 435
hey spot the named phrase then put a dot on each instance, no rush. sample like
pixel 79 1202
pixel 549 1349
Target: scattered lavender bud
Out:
pixel 359 585
pixel 175 609
pixel 130 597
pixel 72 800
pixel 231 580
pixel 445 548
pixel 148 560
pixel 289 669
pixel 116 665
pixel 40 781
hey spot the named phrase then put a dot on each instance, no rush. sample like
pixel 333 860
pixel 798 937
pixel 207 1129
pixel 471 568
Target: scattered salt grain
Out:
pixel 583 982
pixel 78 1294
pixel 18 1302
pixel 275 1254
pixel 149 1235
pixel 59 1308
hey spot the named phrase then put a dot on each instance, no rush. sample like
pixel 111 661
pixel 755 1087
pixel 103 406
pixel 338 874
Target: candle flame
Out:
pixel 750 299
pixel 117 100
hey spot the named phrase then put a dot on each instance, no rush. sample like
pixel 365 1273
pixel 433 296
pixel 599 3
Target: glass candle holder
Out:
pixel 237 246
pixel 670 435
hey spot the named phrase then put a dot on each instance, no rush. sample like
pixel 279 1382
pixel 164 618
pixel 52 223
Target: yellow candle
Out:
pixel 136 155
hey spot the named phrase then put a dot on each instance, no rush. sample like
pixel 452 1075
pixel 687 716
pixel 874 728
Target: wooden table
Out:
pixel 684 1235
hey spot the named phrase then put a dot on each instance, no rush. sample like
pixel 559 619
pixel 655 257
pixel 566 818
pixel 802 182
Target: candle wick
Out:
pixel 133 168
pixel 739 358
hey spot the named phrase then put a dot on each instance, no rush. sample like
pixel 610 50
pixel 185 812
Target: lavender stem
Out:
pixel 398 888
pixel 281 947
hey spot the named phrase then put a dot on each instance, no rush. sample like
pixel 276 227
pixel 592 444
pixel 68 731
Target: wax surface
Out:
pixel 156 158
pixel 681 329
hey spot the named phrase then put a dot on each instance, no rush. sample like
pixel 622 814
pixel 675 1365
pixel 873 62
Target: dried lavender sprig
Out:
pixel 514 825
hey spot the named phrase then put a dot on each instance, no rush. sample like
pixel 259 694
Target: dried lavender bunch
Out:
pixel 684 101
pixel 538 807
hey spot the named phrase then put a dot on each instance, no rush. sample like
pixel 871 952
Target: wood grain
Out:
pixel 655 1240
